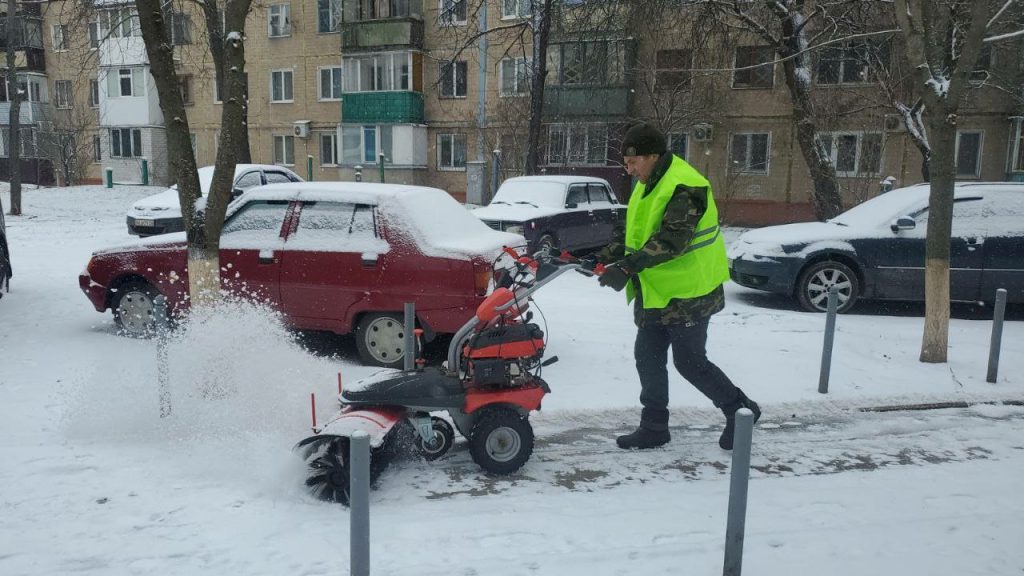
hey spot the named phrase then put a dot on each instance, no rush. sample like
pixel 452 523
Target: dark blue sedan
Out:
pixel 876 250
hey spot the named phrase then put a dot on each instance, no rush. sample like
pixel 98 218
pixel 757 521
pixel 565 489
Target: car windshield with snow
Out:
pixel 340 257
pixel 876 250
pixel 161 213
pixel 572 213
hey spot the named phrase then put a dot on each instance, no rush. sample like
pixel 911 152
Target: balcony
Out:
pixel 28 112
pixel 586 100
pixel 382 107
pixel 370 35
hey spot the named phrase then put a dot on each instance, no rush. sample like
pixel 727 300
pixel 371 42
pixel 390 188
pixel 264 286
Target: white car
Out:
pixel 161 213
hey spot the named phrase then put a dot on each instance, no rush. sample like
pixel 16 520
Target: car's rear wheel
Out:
pixel 380 339
pixel 134 309
pixel 547 243
pixel 816 280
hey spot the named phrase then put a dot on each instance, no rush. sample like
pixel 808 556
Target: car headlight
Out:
pixel 756 251
pixel 514 228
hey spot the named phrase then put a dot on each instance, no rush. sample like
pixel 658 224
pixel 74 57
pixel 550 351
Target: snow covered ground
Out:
pixel 93 482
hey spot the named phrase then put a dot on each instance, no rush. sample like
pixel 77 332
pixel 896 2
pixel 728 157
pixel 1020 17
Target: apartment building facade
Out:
pixel 336 87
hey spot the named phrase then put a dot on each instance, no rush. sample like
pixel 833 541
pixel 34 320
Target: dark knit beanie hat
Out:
pixel 643 139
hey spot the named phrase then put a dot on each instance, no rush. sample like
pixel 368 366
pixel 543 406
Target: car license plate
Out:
pixel 144 223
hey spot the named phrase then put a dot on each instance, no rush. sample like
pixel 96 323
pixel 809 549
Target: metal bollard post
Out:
pixel 410 339
pixel 163 367
pixel 740 477
pixel 359 173
pixel 359 503
pixel 309 167
pixel 109 177
pixel 830 333
pixel 495 174
pixel 380 163
pixel 145 172
pixel 997 336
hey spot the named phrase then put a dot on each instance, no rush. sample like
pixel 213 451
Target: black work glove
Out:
pixel 614 277
pixel 588 263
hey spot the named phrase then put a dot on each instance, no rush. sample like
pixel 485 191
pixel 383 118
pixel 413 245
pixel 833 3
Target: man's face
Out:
pixel 640 167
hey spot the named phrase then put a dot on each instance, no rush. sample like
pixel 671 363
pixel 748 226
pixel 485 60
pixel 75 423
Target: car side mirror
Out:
pixel 903 223
pixel 236 192
pixel 571 205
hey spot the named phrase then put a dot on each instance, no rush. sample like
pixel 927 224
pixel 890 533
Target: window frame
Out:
pixel 450 16
pixel 68 95
pixel 336 151
pixel 320 83
pixel 673 137
pixel 978 155
pixel 518 11
pixel 333 10
pixel 753 68
pixel 518 90
pixel 570 131
pixel 454 137
pixel 285 28
pixel 134 141
pixel 59 37
pixel 858 159
pixel 94 93
pixel 444 79
pixel 284 140
pixel 290 85
pixel 746 171
pixel 686 78
pixel 390 62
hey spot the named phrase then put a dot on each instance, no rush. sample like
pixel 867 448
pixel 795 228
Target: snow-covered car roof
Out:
pixel 435 221
pixel 878 211
pixel 559 179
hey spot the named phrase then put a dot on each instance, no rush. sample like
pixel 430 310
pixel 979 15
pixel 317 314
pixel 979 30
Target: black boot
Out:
pixel 643 438
pixel 725 441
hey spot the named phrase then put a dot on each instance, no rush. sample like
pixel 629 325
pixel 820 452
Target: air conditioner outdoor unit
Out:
pixel 702 133
pixel 893 122
pixel 301 129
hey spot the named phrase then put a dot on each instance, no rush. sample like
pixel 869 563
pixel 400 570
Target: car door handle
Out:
pixel 266 257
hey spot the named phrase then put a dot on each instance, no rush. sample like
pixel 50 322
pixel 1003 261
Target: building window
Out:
pixel 94 93
pixel 679 144
pixel 672 69
pixel 185 85
pixel 94 33
pixel 62 93
pixel 983 68
pixel 31 89
pixel 599 62
pixel 577 144
pixel 453 12
pixel 97 149
pixel 749 153
pixel 281 86
pixel 278 20
pixel 378 72
pixel 516 8
pixel 126 82
pixel 330 83
pixel 451 151
pixel 854 154
pixel 179 28
pixel 754 67
pixel 363 144
pixel 328 149
pixel 284 150
pixel 453 79
pixel 125 143
pixel 851 63
pixel 968 154
pixel 515 80
pixel 119 23
pixel 1017 145
pixel 328 14
pixel 60 37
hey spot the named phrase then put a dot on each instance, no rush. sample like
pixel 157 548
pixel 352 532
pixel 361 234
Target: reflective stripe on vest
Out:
pixel 701 267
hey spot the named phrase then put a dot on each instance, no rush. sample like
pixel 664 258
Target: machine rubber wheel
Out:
pixel 380 339
pixel 133 308
pixel 444 437
pixel 501 440
pixel 327 467
pixel 547 243
pixel 812 287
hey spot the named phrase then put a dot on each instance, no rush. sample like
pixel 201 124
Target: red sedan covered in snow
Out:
pixel 336 256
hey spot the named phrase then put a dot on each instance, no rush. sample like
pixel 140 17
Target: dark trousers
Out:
pixel 690 358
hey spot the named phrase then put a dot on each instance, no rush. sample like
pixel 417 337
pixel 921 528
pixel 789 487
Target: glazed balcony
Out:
pixel 374 35
pixel 400 107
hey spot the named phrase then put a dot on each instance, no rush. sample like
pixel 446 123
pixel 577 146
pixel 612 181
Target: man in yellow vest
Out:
pixel 671 260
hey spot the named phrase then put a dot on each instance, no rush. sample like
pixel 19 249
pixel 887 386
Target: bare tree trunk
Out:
pixel 541 31
pixel 14 123
pixel 216 36
pixel 935 342
pixel 204 278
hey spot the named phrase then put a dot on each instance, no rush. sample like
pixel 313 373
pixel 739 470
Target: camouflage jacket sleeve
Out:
pixel 682 213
